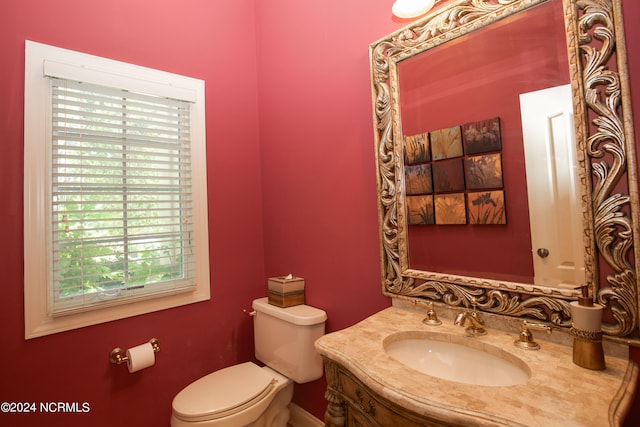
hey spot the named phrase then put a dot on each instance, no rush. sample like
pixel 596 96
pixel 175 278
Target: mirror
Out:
pixel 481 161
pixel 517 49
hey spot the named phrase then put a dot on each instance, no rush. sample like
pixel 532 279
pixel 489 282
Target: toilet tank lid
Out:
pixel 297 314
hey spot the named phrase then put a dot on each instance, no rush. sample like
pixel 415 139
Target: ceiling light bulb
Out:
pixel 411 8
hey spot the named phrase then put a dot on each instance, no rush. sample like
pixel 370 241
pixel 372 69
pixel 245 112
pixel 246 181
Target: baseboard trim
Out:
pixel 298 417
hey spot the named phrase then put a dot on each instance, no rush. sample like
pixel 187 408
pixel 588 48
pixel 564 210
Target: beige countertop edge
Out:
pixel 359 348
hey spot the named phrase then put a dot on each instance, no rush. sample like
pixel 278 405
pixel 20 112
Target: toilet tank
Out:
pixel 284 339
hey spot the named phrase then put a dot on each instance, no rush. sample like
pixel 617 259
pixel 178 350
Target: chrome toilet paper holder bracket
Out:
pixel 118 355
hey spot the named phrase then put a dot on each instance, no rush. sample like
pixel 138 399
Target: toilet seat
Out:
pixel 223 393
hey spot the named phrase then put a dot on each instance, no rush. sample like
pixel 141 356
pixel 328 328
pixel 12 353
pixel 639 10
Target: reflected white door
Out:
pixel 554 199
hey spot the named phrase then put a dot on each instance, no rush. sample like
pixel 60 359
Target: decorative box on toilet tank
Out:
pixel 286 291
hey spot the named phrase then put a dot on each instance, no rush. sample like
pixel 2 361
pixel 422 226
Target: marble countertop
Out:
pixel 557 393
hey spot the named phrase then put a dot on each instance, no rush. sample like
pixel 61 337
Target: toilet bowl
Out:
pixel 247 395
pixel 240 395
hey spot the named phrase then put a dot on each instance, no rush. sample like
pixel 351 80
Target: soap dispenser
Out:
pixel 587 332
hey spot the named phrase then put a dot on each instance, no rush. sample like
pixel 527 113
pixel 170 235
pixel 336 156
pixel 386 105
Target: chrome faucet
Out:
pixel 471 321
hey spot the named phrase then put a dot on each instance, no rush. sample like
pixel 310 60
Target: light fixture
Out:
pixel 411 8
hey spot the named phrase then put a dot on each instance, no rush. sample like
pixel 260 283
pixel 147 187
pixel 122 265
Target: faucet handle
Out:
pixel 432 317
pixel 525 338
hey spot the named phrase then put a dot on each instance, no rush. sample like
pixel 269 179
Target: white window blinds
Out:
pixel 121 197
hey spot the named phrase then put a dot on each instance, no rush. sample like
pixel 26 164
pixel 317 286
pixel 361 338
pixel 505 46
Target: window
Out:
pixel 115 190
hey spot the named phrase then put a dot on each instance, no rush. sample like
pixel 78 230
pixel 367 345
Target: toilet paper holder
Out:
pixel 118 355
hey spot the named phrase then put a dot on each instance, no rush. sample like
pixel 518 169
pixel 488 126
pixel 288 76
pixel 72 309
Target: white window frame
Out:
pixel 40 61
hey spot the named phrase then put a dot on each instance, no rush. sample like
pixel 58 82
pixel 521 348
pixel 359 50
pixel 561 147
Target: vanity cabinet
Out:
pixel 352 404
pixel 367 387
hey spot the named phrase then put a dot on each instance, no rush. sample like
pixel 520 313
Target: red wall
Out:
pixel 292 186
pixel 318 164
pixel 198 38
pixel 631 10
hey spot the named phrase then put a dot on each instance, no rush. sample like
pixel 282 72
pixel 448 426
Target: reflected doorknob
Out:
pixel 543 252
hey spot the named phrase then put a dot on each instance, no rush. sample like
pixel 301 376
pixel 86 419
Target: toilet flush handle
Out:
pixel 249 313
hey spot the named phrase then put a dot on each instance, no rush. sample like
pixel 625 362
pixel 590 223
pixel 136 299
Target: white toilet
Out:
pixel 249 395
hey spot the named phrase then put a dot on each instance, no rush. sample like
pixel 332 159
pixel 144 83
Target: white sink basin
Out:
pixel 437 355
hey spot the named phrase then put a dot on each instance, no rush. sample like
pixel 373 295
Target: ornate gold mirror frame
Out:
pixel 606 159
